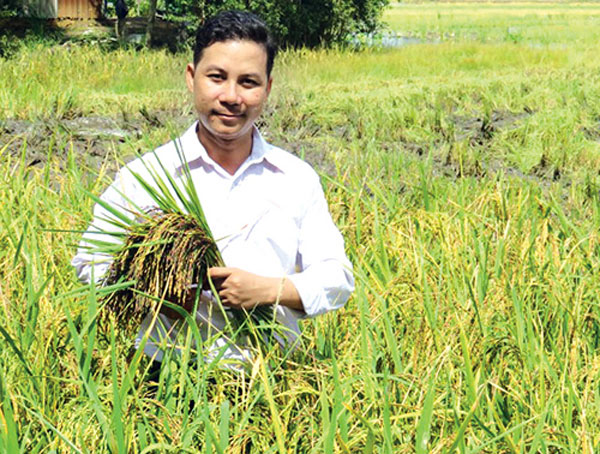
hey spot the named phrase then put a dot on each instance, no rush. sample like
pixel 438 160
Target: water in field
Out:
pixel 526 22
pixel 384 40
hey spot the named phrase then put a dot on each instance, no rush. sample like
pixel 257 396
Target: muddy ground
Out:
pixel 93 140
pixel 97 141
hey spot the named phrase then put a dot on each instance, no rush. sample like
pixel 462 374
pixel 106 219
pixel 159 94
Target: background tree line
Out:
pixel 296 23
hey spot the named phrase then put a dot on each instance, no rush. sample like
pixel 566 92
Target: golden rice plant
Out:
pixel 167 256
pixel 162 255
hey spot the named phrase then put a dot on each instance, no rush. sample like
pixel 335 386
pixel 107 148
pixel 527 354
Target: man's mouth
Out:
pixel 226 115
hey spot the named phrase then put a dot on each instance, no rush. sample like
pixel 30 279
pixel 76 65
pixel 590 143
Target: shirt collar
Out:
pixel 193 150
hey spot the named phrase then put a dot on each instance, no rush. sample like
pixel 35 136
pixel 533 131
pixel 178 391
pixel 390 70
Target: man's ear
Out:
pixel 269 83
pixel 190 70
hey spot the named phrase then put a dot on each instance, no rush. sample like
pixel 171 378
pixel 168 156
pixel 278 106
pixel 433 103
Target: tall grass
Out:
pixel 48 82
pixel 464 178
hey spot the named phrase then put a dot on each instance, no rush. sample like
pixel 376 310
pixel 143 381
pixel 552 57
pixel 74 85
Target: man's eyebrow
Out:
pixel 255 75
pixel 214 68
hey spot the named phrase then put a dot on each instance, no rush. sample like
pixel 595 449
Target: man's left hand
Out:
pixel 241 289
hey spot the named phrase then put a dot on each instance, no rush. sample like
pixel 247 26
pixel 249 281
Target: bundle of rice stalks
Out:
pixel 159 256
pixel 166 256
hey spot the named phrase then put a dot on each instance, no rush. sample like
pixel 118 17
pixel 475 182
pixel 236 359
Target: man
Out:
pixel 265 206
pixel 121 10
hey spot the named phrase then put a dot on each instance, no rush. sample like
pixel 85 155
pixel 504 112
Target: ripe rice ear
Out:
pixel 165 256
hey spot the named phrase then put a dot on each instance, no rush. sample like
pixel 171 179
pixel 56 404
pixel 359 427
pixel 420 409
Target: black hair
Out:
pixel 235 25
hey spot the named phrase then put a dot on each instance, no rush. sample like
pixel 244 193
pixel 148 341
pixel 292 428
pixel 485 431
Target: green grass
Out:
pixel 465 179
pixel 42 82
pixel 534 23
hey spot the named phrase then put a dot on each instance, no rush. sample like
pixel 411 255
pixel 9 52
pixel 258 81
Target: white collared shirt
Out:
pixel 269 218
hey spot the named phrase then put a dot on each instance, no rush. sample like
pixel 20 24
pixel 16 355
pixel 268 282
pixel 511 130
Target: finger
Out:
pixel 219 272
pixel 227 303
pixel 223 296
pixel 217 276
pixel 217 282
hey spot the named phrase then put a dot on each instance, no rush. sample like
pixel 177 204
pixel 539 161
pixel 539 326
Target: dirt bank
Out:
pixel 93 140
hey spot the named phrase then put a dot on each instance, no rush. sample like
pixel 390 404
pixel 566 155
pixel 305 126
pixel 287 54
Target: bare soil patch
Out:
pixel 481 129
pixel 89 139
pixel 93 140
pixel 478 131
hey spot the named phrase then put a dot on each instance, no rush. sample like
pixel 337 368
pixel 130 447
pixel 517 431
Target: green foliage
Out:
pixel 296 23
pixel 8 46
pixel 10 8
pixel 306 23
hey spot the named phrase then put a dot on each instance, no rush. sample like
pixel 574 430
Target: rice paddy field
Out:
pixel 464 173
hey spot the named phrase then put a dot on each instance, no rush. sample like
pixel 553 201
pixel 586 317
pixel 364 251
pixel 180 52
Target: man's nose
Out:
pixel 230 94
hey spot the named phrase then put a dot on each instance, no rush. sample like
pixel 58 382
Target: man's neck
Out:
pixel 229 154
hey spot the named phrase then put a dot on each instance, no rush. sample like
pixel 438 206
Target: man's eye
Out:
pixel 216 76
pixel 249 83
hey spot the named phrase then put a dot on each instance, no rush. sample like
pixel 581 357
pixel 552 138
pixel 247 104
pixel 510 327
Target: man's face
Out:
pixel 230 88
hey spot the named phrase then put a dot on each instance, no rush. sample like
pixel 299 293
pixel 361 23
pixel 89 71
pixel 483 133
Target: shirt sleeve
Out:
pixel 325 281
pixel 91 266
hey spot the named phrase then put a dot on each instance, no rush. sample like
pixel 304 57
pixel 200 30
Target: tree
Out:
pixel 295 23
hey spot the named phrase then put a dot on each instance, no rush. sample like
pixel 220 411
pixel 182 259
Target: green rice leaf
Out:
pixel 125 220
